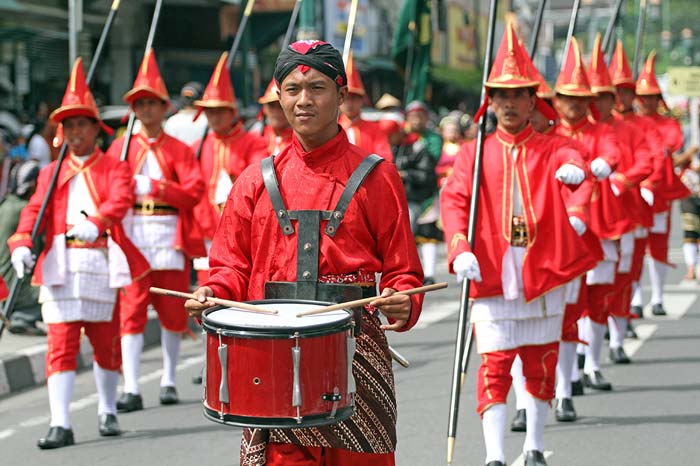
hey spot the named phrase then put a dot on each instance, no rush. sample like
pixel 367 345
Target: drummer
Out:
pixel 254 251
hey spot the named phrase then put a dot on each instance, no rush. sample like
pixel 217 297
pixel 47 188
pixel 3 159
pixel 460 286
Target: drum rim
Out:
pixel 312 420
pixel 318 330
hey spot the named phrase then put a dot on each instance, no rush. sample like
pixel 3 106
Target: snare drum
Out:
pixel 278 371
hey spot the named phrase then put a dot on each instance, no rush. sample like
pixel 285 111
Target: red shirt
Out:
pixel 3 289
pixel 672 136
pixel 274 142
pixel 250 249
pixel 109 183
pixel 181 186
pixel 232 153
pixel 368 135
pixel 555 253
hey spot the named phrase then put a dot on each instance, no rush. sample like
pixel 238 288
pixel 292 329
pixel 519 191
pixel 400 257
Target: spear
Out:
pixel 572 27
pixel 229 61
pixel 607 50
pixel 149 44
pixel 348 33
pixel 532 48
pixel 292 22
pixel 16 283
pixel 463 322
pixel 639 37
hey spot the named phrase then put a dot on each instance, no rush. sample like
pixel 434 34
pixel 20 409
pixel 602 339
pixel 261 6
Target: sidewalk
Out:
pixel 23 358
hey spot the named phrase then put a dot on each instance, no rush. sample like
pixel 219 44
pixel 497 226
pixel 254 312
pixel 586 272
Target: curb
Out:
pixel 26 368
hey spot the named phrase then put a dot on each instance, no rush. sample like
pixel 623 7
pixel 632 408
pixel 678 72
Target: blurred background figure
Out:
pixel 38 147
pixel 181 125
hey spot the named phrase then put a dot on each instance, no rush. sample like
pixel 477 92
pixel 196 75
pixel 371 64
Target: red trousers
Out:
pixel 572 313
pixel 284 454
pixel 640 246
pixel 171 311
pixel 494 379
pixel 64 344
pixel 658 243
pixel 600 299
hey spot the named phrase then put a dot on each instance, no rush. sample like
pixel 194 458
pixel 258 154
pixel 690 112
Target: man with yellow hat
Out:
pixel 277 133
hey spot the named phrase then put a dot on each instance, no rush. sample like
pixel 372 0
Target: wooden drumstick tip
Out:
pixel 450 449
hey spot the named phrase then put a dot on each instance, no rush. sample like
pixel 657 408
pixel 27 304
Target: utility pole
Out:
pixel 75 26
pixel 308 29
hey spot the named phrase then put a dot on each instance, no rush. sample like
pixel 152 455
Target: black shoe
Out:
pixel 56 438
pixel 607 335
pixel 495 463
pixel 108 425
pixel 577 388
pixel 197 379
pixel 580 360
pixel 168 396
pixel 596 381
pixel 535 458
pixel 519 423
pixel 129 402
pixel 428 281
pixel 22 327
pixel 564 410
pixel 618 356
pixel 658 310
pixel 637 311
pixel 630 333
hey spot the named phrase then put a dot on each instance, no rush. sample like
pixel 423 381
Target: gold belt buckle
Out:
pixel 519 232
pixel 148 206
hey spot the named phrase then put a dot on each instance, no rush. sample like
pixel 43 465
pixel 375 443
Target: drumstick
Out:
pixel 363 301
pixel 222 302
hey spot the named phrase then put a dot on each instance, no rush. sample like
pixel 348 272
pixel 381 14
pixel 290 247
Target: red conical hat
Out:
pixel 647 83
pixel 219 91
pixel 355 85
pixel 509 70
pixel 619 69
pixel 572 78
pixel 78 100
pixel 543 90
pixel 271 93
pixel 598 74
pixel 149 82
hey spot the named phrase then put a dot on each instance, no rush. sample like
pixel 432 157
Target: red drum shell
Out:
pixel 260 371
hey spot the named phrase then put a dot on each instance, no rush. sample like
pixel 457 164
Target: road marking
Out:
pixel 91 399
pixel 436 313
pixel 644 332
pixel 676 305
pixel 520 460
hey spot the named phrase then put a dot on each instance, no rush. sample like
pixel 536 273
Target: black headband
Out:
pixel 317 54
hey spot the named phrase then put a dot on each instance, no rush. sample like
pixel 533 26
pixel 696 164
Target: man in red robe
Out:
pixel 86 259
pixel 525 250
pixel 277 134
pixel 649 95
pixel 168 184
pixel 256 249
pixel 363 133
pixel 572 102
pixel 227 150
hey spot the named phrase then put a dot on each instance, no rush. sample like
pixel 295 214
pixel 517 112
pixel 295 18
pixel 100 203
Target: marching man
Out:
pixel 228 149
pixel 167 184
pixel 86 259
pixel 525 250
pixel 277 133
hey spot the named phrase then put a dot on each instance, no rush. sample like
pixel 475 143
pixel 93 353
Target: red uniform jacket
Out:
pixel 250 249
pixel 232 153
pixel 273 143
pixel 598 141
pixel 368 136
pixel 181 187
pixel 636 164
pixel 3 289
pixel 109 182
pixel 672 136
pixel 555 253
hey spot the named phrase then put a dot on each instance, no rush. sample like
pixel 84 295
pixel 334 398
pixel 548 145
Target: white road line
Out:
pixel 676 305
pixel 440 311
pixel 520 460
pixel 644 332
pixel 91 399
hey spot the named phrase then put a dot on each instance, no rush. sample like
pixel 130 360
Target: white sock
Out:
pixel 596 332
pixel 575 376
pixel 170 342
pixel 494 425
pixel 106 383
pixel 690 254
pixel 428 255
pixel 132 345
pixel 657 276
pixel 536 419
pixel 618 328
pixel 60 386
pixel 567 359
pixel 582 334
pixel 637 295
pixel 516 372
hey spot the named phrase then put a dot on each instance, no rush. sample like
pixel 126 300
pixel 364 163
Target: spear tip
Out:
pixel 450 449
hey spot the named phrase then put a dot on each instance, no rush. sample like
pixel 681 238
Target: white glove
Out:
pixel 600 168
pixel 466 266
pixel 578 225
pixel 570 174
pixel 22 259
pixel 143 185
pixel 648 196
pixel 84 231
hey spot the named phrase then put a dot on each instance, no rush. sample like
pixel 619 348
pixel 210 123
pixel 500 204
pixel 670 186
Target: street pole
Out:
pixel 307 21
pixel 75 25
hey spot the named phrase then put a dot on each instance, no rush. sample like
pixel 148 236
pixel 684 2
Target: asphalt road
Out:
pixel 652 416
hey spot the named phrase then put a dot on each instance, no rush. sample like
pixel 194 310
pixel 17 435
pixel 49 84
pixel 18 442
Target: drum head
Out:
pixel 230 321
